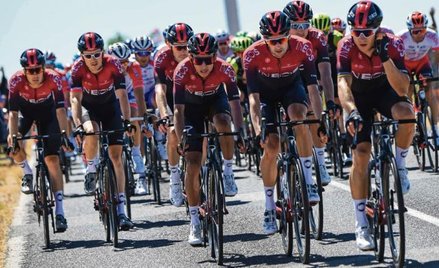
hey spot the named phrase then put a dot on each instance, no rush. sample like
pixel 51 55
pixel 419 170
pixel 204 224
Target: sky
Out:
pixel 57 24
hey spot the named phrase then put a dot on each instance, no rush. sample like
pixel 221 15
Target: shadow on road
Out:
pixel 331 238
pixel 240 260
pixel 155 224
pixel 64 244
pixel 236 203
pixel 135 244
pixel 244 237
pixel 359 260
pixel 76 195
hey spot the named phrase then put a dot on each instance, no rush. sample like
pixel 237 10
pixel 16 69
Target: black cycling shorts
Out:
pixel 296 93
pixel 52 144
pixel 380 99
pixel 194 115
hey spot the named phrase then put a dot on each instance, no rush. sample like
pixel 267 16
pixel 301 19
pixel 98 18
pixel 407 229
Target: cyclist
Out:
pixel 323 23
pixel 97 80
pixel 418 42
pixel 224 50
pixel 134 87
pixel 164 65
pixel 199 91
pixel 36 93
pixel 272 69
pixel 371 75
pixel 339 25
pixel 300 14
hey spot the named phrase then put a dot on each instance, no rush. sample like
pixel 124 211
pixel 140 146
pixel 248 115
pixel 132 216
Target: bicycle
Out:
pixel 213 205
pixel 293 208
pixel 65 164
pixel 381 208
pixel 106 197
pixel 334 145
pixel 42 194
pixel 128 167
pixel 424 144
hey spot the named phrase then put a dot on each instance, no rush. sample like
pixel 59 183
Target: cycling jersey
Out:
pixel 164 66
pixel 319 43
pixel 416 51
pixel 333 38
pixel 266 73
pixel 148 77
pixel 36 103
pixel 236 63
pixel 225 56
pixel 189 87
pixel 98 88
pixel 133 81
pixel 64 81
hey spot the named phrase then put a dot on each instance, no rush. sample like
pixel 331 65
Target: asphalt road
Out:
pixel 160 233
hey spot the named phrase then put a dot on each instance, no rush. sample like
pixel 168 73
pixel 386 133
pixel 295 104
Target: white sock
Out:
pixel 91 165
pixel 136 150
pixel 228 167
pixel 360 213
pixel 121 204
pixel 27 170
pixel 193 211
pixel 175 175
pixel 400 156
pixel 307 169
pixel 320 155
pixel 269 198
pixel 59 208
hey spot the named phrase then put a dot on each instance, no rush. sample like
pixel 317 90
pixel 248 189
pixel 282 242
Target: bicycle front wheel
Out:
pixel 283 189
pixel 215 212
pixel 129 180
pixel 316 212
pixel 44 192
pixel 112 201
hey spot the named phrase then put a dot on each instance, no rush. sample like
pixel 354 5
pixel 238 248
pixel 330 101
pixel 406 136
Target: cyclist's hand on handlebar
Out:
pixel 241 144
pixel 163 124
pixel 354 117
pixel 129 127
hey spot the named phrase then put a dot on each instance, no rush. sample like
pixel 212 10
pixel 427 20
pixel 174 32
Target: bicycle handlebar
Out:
pixel 425 80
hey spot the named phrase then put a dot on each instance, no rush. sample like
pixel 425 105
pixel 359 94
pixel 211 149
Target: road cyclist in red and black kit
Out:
pixel 98 95
pixel 372 76
pixel 165 62
pixel 272 69
pixel 36 93
pixel 205 87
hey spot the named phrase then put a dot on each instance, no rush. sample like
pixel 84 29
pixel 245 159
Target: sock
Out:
pixel 27 170
pixel 91 165
pixel 193 211
pixel 136 150
pixel 320 155
pixel 121 204
pixel 228 167
pixel 59 208
pixel 400 156
pixel 360 213
pixel 175 175
pixel 269 198
pixel 307 169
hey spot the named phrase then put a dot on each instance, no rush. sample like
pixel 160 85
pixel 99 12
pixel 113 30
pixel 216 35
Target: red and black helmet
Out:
pixel 32 57
pixel 90 41
pixel 179 33
pixel 202 44
pixel 298 11
pixel 364 15
pixel 417 20
pixel 274 23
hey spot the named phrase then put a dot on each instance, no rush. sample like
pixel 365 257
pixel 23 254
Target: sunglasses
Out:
pixel 180 47
pixel 419 31
pixel 200 60
pixel 282 40
pixel 364 32
pixel 94 55
pixel 222 44
pixel 143 53
pixel 34 70
pixel 300 26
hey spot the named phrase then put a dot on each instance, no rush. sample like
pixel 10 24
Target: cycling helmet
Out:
pixel 364 15
pixel 298 11
pixel 274 23
pixel 32 57
pixel 202 44
pixel 338 24
pixel 90 41
pixel 119 50
pixel 222 36
pixel 241 34
pixel 50 57
pixel 321 22
pixel 417 20
pixel 255 36
pixel 129 42
pixel 239 44
pixel 179 33
pixel 142 43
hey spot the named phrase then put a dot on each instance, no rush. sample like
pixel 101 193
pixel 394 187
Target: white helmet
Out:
pixel 222 36
pixel 142 43
pixel 120 50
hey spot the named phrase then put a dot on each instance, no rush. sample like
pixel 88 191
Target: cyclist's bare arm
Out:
pixel 345 93
pixel 399 81
pixel 138 94
pixel 235 106
pixel 13 123
pixel 75 100
pixel 179 120
pixel 255 111
pixel 61 115
pixel 122 95
pixel 315 99
pixel 160 97
pixel 326 80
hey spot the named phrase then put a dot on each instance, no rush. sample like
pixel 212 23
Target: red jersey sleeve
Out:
pixel 321 47
pixel 179 82
pixel 230 81
pixel 250 66
pixel 344 56
pixel 396 52
pixel 159 67
pixel 57 90
pixel 118 76
pixel 15 82
pixel 308 61
pixel 76 77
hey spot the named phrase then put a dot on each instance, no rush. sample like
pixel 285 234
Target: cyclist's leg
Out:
pixel 90 149
pixel 20 157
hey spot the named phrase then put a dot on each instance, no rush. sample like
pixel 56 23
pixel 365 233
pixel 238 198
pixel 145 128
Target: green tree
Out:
pixel 117 37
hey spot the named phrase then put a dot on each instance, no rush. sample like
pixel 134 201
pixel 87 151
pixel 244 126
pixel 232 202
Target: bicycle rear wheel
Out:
pixel 216 209
pixel 129 180
pixel 112 201
pixel 433 137
pixel 155 170
pixel 426 153
pixel 394 212
pixel 44 192
pixel 316 212
pixel 284 197
pixel 300 211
